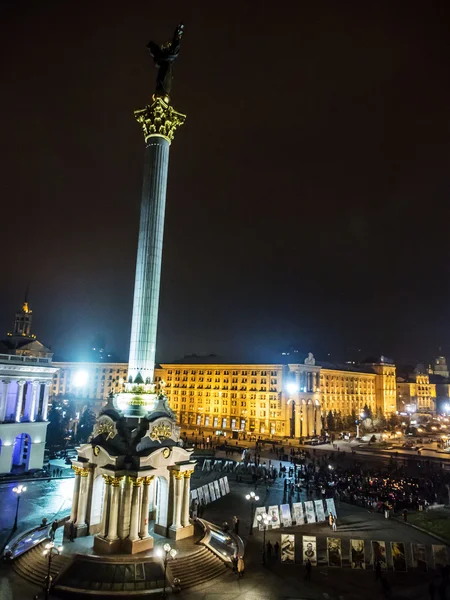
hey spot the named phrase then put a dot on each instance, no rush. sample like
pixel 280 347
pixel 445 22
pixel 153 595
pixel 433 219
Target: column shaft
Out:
pixel 4 400
pixel 148 266
pixel 76 491
pixel 106 502
pixel 143 529
pixel 34 397
pixel 45 402
pixel 186 498
pixel 177 499
pixel 19 402
pixel 135 510
pixel 82 497
pixel 114 509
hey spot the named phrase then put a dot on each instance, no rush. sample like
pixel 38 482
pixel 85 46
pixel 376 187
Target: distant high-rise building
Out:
pixel 440 367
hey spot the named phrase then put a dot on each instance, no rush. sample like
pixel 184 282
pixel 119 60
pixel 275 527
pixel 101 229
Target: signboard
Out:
pixel 286 518
pixel 319 511
pixel 222 487
pixel 419 557
pixel 357 554
pixel 334 552
pixel 206 494
pixel 288 548
pixel 310 549
pixel 379 554
pixel 274 515
pixel 297 513
pixel 227 486
pixel 201 497
pixel 398 556
pixel 260 510
pixel 310 514
pixel 439 555
pixel 212 491
pixel 330 507
pixel 217 488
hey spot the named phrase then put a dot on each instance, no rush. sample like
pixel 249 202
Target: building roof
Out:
pixel 346 367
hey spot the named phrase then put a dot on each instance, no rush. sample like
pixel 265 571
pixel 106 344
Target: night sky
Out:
pixel 308 198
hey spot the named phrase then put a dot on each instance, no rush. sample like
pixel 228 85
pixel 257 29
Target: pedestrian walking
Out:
pixel 72 531
pixel 405 515
pixel 330 520
pixel 334 525
pixel 240 567
pixel 377 570
pixel 53 530
pixel 236 525
pixel 308 567
pixel 269 550
pixel 276 550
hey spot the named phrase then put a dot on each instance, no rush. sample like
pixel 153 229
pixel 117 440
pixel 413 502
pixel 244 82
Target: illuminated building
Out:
pixel 271 399
pixel 440 367
pixel 26 373
pixel 415 392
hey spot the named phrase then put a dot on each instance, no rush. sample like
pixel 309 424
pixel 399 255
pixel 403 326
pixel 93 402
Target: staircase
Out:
pixel 196 568
pixel 33 565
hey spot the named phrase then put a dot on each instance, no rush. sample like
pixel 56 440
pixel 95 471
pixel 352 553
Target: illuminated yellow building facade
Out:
pixel 416 394
pixel 286 400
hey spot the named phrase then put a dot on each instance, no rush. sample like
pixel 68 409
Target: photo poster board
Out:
pixel 260 510
pixel 310 549
pixel 194 495
pixel 286 518
pixel 330 507
pixel 310 514
pixel 357 554
pixel 274 515
pixel 398 556
pixel 287 548
pixel 227 485
pixel 334 552
pixel 212 491
pixel 440 555
pixel 419 557
pixel 319 511
pixel 206 494
pixel 222 487
pixel 379 554
pixel 297 513
pixel 217 489
pixel 201 496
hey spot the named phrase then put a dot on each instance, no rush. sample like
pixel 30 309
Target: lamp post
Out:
pixel 165 553
pixel 264 520
pixel 18 491
pixel 252 498
pixel 50 549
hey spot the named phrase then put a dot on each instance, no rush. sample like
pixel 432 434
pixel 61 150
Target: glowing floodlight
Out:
pixel 80 379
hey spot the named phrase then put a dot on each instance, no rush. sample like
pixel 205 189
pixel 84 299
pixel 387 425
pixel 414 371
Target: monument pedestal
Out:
pixel 127 546
pixel 130 547
pixel 104 546
pixel 181 532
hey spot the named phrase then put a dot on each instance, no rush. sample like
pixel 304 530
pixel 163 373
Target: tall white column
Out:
pixel 45 401
pixel 177 499
pixel 114 509
pixel 307 420
pixel 82 497
pixel 4 400
pixel 19 401
pixel 186 498
pixel 135 509
pixel 125 509
pixel 143 530
pixel 34 400
pixel 106 501
pixel 76 492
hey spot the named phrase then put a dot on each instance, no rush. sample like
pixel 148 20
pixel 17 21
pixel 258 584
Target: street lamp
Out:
pixel 252 498
pixel 50 549
pixel 264 520
pixel 18 491
pixel 165 553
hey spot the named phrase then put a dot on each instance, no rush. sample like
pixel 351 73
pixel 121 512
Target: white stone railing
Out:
pixel 20 358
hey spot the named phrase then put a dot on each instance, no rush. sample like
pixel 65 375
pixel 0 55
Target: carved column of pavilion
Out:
pixel 177 499
pixel 186 498
pixel 82 497
pixel 19 401
pixel 143 529
pixel 76 492
pixel 135 508
pixel 159 122
pixel 114 509
pixel 106 500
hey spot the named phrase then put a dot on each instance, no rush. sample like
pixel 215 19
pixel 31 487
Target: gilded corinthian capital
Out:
pixel 159 119
pixel 187 474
